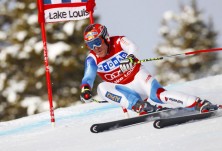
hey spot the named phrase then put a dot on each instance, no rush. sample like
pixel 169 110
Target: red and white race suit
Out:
pixel 133 85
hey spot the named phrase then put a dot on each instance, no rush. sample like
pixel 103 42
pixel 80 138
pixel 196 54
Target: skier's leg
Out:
pixel 158 94
pixel 125 97
pixel 180 99
pixel 119 94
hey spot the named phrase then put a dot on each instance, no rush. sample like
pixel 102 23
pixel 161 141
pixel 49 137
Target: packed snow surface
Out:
pixel 72 128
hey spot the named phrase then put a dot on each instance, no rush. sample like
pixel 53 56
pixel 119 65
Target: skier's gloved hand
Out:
pixel 86 94
pixel 127 63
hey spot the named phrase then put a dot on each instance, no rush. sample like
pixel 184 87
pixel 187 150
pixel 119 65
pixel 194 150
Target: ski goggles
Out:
pixel 97 42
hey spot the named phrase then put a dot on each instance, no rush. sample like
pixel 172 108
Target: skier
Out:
pixel 126 82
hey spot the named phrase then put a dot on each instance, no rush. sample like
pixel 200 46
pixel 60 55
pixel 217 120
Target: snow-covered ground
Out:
pixel 71 133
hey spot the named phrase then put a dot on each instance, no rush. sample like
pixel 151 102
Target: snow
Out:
pixel 12 50
pixel 32 19
pixel 68 28
pixel 21 35
pixel 54 49
pixel 57 49
pixel 14 87
pixel 3 35
pixel 71 131
pixel 34 104
pixel 168 15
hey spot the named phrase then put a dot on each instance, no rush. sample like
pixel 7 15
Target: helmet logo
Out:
pixel 91 35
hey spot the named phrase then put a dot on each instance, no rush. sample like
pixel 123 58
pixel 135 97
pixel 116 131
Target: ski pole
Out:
pixel 98 101
pixel 180 54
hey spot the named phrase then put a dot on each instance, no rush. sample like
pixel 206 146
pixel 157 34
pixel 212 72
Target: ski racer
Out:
pixel 126 82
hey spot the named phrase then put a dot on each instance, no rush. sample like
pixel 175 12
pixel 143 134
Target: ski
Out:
pixel 164 122
pixel 101 127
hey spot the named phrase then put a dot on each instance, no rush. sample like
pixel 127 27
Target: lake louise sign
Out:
pixel 66 13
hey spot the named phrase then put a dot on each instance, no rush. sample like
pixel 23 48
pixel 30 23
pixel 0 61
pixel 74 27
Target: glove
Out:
pixel 86 94
pixel 127 63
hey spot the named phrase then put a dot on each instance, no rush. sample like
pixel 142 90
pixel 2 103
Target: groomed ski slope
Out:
pixel 71 133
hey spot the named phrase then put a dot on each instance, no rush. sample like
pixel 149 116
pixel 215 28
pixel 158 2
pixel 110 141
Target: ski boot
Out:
pixel 143 107
pixel 205 106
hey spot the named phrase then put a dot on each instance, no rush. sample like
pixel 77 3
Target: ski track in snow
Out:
pixel 46 121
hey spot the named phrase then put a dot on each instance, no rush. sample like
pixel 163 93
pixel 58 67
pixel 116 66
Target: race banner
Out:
pixel 64 10
pixel 50 11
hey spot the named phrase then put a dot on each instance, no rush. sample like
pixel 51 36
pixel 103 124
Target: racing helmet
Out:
pixel 94 34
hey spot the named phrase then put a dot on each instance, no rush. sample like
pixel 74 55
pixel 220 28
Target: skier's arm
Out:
pixel 130 48
pixel 88 79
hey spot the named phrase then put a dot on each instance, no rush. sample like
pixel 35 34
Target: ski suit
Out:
pixel 127 88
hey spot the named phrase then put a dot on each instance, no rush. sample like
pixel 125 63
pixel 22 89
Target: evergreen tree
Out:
pixel 22 72
pixel 183 32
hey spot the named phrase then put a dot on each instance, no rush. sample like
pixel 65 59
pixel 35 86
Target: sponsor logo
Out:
pixel 175 100
pixel 113 97
pixel 148 78
pixel 91 35
pixel 116 74
pixel 112 63
pixel 65 14
pixel 118 80
pixel 122 40
pixel 112 76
